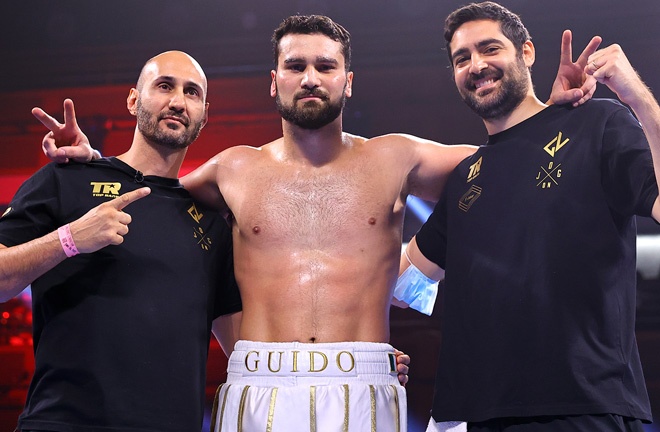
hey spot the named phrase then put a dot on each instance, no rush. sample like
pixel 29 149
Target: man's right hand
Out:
pixel 65 141
pixel 105 224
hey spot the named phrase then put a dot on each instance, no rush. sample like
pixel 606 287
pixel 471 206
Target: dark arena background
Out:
pixel 92 51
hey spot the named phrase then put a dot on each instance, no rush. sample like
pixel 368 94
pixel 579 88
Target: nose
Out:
pixel 477 64
pixel 310 78
pixel 177 100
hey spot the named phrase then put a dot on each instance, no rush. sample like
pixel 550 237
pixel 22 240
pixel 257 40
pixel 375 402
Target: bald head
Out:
pixel 182 65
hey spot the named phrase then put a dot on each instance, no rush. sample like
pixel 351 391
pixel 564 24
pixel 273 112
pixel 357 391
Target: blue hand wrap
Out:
pixel 419 291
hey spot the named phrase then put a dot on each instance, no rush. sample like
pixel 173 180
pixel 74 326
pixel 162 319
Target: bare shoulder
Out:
pixel 421 146
pixel 238 157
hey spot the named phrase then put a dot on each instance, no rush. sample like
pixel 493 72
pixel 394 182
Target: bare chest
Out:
pixel 315 207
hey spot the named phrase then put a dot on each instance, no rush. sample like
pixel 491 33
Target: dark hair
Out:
pixel 510 23
pixel 312 24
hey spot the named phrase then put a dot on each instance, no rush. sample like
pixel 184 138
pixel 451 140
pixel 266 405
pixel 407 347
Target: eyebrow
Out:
pixel 319 59
pixel 188 83
pixel 480 44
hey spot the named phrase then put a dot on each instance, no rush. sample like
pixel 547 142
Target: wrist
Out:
pixel 66 241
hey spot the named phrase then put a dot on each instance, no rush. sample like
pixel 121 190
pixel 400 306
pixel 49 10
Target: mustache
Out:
pixel 315 92
pixel 173 114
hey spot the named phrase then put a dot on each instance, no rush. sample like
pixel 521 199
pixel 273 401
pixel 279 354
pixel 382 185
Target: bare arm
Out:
pixel 415 257
pixel 103 225
pixel 419 290
pixel 202 183
pixel 432 165
pixel 572 84
pixel 611 67
pixel 226 329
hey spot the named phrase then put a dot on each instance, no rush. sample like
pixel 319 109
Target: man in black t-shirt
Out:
pixel 536 234
pixel 122 319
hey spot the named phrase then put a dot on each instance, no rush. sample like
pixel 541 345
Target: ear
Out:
pixel 273 84
pixel 206 114
pixel 529 53
pixel 131 101
pixel 349 84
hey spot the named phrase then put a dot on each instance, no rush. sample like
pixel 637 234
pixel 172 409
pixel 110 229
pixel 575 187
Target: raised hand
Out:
pixel 65 141
pixel 611 67
pixel 573 84
pixel 105 224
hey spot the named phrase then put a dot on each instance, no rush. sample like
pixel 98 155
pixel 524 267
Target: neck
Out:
pixel 529 107
pixel 315 146
pixel 153 159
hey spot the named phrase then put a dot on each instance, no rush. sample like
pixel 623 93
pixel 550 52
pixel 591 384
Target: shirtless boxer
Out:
pixel 317 219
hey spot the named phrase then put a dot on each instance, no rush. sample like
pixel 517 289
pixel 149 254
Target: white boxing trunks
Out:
pixel 296 387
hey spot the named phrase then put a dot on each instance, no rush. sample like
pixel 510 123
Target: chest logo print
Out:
pixel 203 240
pixel 475 169
pixel 549 176
pixel 469 198
pixel 195 214
pixel 556 144
pixel 105 189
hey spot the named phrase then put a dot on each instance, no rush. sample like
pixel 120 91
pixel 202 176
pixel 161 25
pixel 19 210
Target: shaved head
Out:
pixel 155 64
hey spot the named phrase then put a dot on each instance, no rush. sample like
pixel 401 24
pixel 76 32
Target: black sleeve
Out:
pixel 627 166
pixel 227 296
pixel 34 211
pixel 432 236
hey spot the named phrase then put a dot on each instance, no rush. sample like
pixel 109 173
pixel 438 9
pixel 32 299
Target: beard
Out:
pixel 148 125
pixel 514 86
pixel 311 114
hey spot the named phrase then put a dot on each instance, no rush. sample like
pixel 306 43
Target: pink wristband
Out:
pixel 66 240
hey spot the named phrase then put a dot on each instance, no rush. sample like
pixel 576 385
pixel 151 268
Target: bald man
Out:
pixel 122 320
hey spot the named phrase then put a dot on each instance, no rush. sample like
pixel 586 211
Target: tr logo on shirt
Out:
pixel 105 189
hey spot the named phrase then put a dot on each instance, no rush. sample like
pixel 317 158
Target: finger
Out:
pixel 69 114
pixel 79 153
pixel 122 230
pixel 51 150
pixel 566 55
pixel 591 48
pixel 46 119
pixel 123 200
pixel 589 87
pixel 566 96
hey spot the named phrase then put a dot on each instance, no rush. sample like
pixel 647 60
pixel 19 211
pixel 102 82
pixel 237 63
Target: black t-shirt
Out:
pixel 536 232
pixel 121 335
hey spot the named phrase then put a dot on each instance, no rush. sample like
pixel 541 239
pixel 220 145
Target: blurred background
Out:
pixel 92 51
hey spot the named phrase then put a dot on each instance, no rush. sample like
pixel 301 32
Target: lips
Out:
pixel 486 78
pixel 311 94
pixel 183 120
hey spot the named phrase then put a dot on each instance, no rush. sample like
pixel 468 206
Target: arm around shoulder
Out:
pixel 202 183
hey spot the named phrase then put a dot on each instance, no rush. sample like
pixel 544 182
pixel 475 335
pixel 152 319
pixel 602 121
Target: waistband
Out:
pixel 327 360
